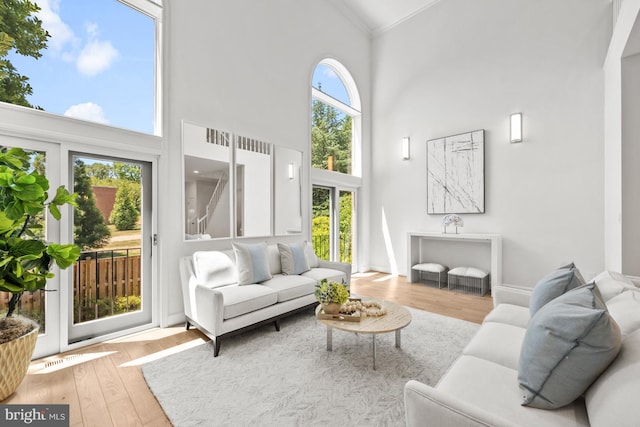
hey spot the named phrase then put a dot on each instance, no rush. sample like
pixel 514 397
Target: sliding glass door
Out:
pixel 333 224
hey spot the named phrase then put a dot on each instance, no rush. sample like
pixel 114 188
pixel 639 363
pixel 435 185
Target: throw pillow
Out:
pixel 553 285
pixel 625 310
pixel 312 258
pixel 252 262
pixel 293 258
pixel 569 342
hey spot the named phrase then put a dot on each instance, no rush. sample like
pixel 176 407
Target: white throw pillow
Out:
pixel 252 262
pixel 293 258
pixel 312 258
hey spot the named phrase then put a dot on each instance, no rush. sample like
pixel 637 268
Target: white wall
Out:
pixel 465 65
pixel 245 65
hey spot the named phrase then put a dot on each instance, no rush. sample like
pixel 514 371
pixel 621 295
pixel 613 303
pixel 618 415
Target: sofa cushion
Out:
pixel 568 343
pixel 553 285
pixel 330 274
pixel 613 399
pixel 290 286
pixel 312 258
pixel 213 269
pixel 293 258
pixel 497 342
pixel 625 310
pixel 611 284
pixel 252 263
pixel 239 300
pixel 509 314
pixel 494 388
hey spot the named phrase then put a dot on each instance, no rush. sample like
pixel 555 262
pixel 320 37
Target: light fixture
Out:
pixel 516 127
pixel 290 171
pixel 405 148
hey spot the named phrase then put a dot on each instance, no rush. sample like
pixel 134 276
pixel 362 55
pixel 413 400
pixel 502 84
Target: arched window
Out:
pixel 335 132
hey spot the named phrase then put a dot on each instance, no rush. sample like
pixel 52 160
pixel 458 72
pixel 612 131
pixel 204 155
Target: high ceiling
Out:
pixel 380 15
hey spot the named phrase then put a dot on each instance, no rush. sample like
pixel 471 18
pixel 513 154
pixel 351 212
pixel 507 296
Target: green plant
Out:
pixel 26 260
pixel 327 292
pixel 126 304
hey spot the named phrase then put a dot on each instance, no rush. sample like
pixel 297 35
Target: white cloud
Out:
pixel 329 73
pixel 96 55
pixel 87 111
pixel 61 33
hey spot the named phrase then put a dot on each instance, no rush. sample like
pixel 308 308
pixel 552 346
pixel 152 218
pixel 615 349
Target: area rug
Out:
pixel 288 378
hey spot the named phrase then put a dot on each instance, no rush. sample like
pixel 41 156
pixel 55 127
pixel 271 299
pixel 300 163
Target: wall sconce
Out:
pixel 290 171
pixel 516 127
pixel 405 148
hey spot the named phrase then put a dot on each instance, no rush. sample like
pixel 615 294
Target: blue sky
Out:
pixel 331 84
pixel 99 64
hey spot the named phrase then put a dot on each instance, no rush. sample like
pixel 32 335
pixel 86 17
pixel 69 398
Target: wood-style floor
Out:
pixel 103 383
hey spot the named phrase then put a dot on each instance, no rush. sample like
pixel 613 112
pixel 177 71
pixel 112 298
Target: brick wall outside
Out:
pixel 105 198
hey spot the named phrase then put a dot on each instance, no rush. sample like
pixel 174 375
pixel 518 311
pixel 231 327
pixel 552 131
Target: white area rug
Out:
pixel 288 378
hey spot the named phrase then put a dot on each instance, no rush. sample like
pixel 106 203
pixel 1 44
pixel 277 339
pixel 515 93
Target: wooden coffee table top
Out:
pixel 397 317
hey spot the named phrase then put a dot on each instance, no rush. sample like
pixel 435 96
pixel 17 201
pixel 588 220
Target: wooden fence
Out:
pixel 100 278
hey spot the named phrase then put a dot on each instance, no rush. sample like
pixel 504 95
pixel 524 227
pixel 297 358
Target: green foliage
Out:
pixel 25 264
pixel 126 304
pixel 22 31
pixel 331 292
pixel 330 136
pixel 90 230
pixel 127 171
pixel 124 214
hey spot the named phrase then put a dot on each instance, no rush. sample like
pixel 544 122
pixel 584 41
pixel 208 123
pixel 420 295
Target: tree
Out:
pixel 330 136
pixel 127 171
pixel 22 31
pixel 124 214
pixel 90 230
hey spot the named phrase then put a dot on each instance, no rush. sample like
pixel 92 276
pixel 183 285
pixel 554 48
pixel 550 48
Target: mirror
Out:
pixel 288 191
pixel 207 190
pixel 253 159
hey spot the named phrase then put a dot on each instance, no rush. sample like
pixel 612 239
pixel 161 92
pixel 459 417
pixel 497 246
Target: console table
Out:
pixel 482 251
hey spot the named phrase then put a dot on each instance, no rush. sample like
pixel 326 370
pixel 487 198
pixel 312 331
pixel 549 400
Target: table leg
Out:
pixel 329 338
pixel 374 351
pixel 398 341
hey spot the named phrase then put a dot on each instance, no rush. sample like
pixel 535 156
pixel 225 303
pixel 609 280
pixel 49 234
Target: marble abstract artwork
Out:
pixel 455 174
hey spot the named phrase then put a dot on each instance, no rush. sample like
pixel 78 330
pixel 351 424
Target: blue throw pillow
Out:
pixel 553 285
pixel 293 258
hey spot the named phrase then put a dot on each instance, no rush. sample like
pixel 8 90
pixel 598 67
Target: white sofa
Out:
pixel 481 388
pixel 216 304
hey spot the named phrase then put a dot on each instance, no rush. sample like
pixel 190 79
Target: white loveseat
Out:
pixel 481 388
pixel 219 306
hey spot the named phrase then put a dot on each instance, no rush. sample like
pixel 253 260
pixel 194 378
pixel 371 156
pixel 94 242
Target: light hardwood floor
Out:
pixel 103 383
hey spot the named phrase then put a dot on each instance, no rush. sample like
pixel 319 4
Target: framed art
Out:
pixel 455 174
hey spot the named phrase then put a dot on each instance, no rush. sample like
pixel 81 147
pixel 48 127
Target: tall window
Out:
pixel 92 60
pixel 335 161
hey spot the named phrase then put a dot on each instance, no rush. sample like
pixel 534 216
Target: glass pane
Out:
pixel 31 305
pixel 326 80
pixel 321 222
pixel 331 138
pixel 107 277
pixel 346 225
pixel 99 53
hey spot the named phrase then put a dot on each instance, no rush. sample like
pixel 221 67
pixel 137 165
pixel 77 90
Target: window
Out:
pixel 92 60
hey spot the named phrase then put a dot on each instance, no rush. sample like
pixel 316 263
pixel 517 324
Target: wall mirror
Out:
pixel 207 187
pixel 253 161
pixel 288 191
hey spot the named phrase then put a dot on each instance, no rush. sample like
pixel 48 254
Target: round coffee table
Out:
pixel 397 317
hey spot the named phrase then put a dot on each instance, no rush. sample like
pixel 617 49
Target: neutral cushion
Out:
pixel 497 342
pixel 239 300
pixel 468 272
pixel 568 343
pixel 613 399
pixel 510 314
pixel 611 284
pixel 330 274
pixel 293 258
pixel 553 285
pixel 290 287
pixel 214 269
pixel 625 310
pixel 430 267
pixel 312 258
pixel 252 262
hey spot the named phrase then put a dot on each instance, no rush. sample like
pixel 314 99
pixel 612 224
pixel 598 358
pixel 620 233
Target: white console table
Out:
pixel 482 251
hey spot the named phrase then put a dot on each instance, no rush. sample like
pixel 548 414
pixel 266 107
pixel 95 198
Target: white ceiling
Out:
pixel 380 15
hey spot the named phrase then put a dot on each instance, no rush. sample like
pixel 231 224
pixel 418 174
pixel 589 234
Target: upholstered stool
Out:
pixel 432 272
pixel 468 279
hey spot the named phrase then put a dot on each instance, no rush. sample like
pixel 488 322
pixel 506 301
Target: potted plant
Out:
pixel 331 295
pixel 26 259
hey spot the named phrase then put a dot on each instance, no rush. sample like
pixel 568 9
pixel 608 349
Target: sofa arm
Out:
pixel 427 406
pixel 511 294
pixel 342 266
pixel 208 309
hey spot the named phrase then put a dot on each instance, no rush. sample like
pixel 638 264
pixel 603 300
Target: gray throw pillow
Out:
pixel 553 285
pixel 568 344
pixel 293 258
pixel 252 262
